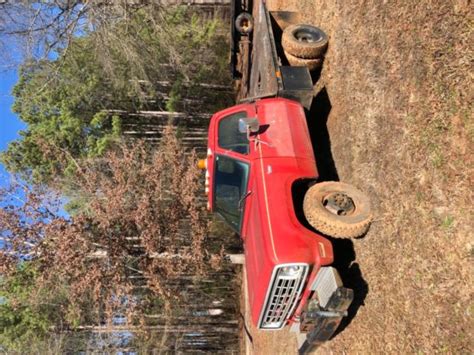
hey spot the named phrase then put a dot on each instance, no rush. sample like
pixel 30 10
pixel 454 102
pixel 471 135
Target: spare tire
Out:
pixel 304 41
pixel 244 23
pixel 312 64
pixel 337 209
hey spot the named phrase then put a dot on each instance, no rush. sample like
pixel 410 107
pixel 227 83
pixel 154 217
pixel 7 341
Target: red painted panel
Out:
pixel 280 155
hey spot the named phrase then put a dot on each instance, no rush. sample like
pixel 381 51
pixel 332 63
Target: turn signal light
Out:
pixel 202 164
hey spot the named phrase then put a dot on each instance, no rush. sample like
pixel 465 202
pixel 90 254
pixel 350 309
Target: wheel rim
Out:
pixel 339 204
pixel 244 24
pixel 306 36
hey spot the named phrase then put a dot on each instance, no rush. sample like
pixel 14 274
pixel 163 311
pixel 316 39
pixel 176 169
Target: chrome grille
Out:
pixel 285 288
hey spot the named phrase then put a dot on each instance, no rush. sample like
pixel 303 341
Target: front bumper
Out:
pixel 324 310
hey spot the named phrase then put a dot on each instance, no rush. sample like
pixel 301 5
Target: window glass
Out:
pixel 230 186
pixel 229 136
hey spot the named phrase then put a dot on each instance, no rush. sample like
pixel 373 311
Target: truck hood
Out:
pixel 272 234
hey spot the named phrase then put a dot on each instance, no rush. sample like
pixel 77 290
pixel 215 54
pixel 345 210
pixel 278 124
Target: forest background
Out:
pixel 106 243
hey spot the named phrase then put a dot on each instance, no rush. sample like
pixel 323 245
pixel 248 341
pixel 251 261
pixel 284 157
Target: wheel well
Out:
pixel 298 190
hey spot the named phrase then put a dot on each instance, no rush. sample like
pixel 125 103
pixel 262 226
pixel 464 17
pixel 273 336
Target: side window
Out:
pixel 230 185
pixel 229 136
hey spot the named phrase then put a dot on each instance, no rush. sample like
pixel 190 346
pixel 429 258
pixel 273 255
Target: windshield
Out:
pixel 230 187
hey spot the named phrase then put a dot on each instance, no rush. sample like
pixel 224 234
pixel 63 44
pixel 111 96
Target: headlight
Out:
pixel 291 271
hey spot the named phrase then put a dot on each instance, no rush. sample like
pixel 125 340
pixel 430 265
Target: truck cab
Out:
pixel 249 183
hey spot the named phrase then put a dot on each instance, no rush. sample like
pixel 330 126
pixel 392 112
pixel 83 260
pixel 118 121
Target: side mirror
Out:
pixel 248 125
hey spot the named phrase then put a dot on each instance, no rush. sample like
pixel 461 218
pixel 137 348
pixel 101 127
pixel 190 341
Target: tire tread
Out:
pixel 337 226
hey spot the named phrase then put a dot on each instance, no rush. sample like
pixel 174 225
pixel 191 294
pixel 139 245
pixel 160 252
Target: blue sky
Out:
pixel 10 124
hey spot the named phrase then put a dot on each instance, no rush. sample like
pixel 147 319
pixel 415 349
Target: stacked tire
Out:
pixel 304 45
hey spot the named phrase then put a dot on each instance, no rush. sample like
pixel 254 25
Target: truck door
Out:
pixel 232 169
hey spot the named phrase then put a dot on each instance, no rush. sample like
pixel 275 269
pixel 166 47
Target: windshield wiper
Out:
pixel 242 199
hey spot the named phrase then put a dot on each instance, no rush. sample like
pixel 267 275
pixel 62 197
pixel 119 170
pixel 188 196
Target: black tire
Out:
pixel 312 64
pixel 337 209
pixel 244 23
pixel 304 41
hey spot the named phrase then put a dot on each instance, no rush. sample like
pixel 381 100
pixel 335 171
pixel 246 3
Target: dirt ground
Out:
pixel 393 116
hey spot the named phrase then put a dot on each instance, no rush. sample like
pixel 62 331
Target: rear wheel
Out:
pixel 337 209
pixel 304 41
pixel 244 23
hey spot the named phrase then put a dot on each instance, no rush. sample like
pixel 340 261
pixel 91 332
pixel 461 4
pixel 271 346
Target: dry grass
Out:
pixel 399 77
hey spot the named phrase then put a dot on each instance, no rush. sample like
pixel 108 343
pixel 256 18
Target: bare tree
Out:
pixel 141 218
pixel 139 32
pixel 42 28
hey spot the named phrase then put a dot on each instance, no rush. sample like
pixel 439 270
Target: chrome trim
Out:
pixel 327 281
pixel 276 289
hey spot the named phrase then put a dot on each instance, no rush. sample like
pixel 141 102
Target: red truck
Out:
pixel 258 151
